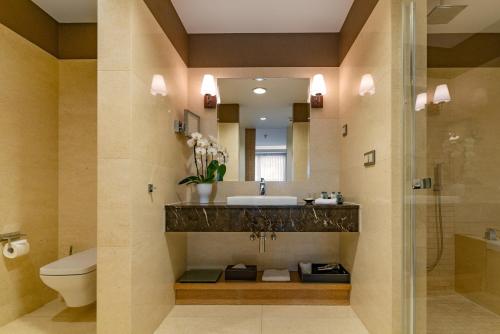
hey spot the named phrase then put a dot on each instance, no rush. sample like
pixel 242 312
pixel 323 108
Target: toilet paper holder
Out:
pixel 9 237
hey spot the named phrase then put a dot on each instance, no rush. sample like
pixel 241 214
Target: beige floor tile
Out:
pixel 54 318
pixel 307 311
pixel 228 325
pixel 312 326
pixel 204 319
pixel 45 326
pixel 455 314
pixel 48 310
pixel 216 311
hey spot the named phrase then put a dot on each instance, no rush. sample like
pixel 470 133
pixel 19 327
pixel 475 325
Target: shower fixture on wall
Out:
pixel 444 14
pixel 438 215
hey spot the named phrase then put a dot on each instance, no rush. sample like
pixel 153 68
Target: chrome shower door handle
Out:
pixel 425 183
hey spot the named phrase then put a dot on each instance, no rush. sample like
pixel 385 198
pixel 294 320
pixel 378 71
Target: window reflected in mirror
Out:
pixel 265 127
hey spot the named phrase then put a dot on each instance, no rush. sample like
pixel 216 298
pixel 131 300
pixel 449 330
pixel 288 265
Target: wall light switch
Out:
pixel 178 126
pixel 369 159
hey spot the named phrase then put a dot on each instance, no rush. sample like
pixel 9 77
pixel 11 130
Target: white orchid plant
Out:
pixel 209 158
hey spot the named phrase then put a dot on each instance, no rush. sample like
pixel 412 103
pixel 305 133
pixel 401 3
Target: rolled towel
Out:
pixel 275 275
pixel 325 201
pixel 306 268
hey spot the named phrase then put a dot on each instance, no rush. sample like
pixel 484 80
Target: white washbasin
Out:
pixel 262 200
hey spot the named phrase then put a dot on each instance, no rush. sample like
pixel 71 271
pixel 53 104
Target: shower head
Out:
pixel 443 14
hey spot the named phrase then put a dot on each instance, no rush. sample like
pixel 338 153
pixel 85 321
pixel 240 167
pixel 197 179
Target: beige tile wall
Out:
pixel 300 138
pixel 136 146
pixel 229 137
pixel 77 155
pixel 373 256
pixel 470 164
pixel 217 250
pixel 28 169
pixel 324 164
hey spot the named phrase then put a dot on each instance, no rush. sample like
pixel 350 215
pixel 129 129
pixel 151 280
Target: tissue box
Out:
pixel 248 274
pixel 339 275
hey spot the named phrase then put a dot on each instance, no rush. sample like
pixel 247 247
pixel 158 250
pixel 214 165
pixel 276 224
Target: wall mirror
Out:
pixel 264 124
pixel 191 122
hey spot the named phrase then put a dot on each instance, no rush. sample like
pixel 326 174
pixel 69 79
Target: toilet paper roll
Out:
pixel 16 248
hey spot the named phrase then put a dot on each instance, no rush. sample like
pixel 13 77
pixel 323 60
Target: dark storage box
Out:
pixel 248 274
pixel 339 275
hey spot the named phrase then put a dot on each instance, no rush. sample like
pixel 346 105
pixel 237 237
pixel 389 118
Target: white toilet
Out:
pixel 74 277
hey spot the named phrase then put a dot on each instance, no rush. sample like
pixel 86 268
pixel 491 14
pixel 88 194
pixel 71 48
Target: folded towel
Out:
pixel 274 275
pixel 325 201
pixel 306 268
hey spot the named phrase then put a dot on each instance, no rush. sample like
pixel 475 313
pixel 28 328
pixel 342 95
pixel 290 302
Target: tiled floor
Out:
pixel 455 314
pixel 54 318
pixel 187 319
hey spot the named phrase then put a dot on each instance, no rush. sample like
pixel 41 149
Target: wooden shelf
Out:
pixel 294 292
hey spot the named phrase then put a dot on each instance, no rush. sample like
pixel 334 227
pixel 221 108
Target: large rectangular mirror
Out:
pixel 264 124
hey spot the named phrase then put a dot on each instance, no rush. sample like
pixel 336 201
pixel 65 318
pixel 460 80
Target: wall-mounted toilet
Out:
pixel 74 277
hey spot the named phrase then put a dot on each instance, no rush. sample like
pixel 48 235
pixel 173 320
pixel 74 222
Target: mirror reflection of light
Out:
pixel 421 101
pixel 441 94
pixel 259 90
pixel 263 118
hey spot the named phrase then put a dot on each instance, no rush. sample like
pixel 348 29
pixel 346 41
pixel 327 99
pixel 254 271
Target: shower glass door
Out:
pixel 452 137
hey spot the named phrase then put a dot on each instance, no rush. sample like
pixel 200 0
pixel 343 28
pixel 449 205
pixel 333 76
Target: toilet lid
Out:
pixel 76 264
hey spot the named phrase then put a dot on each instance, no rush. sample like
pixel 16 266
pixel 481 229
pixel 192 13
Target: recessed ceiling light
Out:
pixel 263 118
pixel 259 79
pixel 259 90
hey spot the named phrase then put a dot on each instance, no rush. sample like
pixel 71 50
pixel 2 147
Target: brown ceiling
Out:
pixel 201 50
pixel 62 40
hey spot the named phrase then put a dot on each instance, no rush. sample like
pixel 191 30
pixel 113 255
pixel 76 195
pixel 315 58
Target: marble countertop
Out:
pixel 221 217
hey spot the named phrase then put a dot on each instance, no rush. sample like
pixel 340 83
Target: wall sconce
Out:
pixel 209 91
pixel 441 94
pixel 317 91
pixel 158 86
pixel 421 101
pixel 367 85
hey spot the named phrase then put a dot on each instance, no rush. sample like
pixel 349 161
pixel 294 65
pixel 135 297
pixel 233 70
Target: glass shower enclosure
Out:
pixel 452 169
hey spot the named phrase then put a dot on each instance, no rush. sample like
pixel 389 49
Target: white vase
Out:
pixel 204 191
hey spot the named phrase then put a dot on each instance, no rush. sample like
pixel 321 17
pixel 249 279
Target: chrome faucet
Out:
pixel 262 186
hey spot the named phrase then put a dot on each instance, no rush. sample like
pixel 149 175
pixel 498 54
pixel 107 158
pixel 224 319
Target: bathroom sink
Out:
pixel 262 200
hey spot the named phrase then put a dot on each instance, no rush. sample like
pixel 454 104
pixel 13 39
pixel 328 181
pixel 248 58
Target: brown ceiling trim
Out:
pixel 77 41
pixel 301 112
pixel 228 113
pixel 62 40
pixel 263 50
pixel 356 18
pixel 250 140
pixel 198 50
pixel 463 50
pixel 280 50
pixel 167 17
pixel 31 22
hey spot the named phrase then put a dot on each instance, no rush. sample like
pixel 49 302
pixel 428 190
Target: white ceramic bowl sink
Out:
pixel 262 200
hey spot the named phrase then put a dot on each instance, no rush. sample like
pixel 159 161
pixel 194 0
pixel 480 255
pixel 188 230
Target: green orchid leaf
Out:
pixel 212 168
pixel 221 171
pixel 189 180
